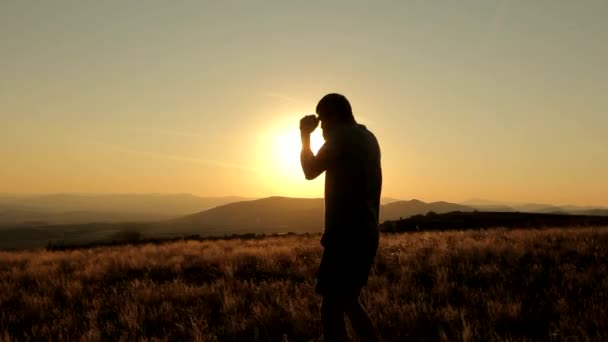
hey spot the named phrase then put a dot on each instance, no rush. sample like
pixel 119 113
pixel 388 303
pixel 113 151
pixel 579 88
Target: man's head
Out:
pixel 334 110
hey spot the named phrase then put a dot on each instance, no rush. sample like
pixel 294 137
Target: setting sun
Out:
pixel 278 160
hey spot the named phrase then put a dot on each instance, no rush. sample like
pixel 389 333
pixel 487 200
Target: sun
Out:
pixel 279 162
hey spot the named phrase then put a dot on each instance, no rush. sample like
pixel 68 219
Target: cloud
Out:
pixel 180 158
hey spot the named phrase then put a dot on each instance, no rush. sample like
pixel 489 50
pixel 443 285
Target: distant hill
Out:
pixel 267 215
pixel 494 208
pixel 27 217
pixel 539 208
pixel 282 215
pixel 168 204
pixel 479 202
pixel 23 225
pixel 387 200
pixel 86 208
pixel 487 205
pixel 271 213
pixel 403 209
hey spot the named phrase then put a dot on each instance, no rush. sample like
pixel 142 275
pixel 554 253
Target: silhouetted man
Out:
pixel 350 158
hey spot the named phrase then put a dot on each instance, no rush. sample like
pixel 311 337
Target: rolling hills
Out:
pixel 34 222
pixel 284 214
pixel 61 209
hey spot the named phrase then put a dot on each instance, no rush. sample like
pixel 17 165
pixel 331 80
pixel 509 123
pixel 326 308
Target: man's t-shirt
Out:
pixel 353 181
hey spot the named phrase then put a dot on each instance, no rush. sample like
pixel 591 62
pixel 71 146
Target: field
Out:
pixel 549 284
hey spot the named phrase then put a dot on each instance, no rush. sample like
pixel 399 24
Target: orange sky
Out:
pixel 496 99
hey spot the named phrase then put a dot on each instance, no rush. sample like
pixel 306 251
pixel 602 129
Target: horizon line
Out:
pixel 394 198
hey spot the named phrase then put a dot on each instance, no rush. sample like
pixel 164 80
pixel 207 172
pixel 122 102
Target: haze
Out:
pixel 502 100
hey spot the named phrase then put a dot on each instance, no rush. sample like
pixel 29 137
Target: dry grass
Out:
pixel 456 286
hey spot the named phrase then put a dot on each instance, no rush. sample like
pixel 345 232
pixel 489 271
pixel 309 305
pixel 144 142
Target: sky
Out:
pixel 503 100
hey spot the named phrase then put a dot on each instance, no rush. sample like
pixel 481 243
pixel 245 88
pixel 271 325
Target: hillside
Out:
pixel 57 209
pixel 267 215
pixel 263 216
pixel 284 214
pixel 497 206
pixel 403 209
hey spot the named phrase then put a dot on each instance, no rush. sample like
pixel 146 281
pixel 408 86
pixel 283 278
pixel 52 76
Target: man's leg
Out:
pixel 359 319
pixel 332 319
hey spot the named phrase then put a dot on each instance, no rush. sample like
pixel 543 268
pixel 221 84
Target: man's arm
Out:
pixel 311 164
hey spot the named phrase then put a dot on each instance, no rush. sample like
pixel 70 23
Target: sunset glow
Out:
pixel 494 99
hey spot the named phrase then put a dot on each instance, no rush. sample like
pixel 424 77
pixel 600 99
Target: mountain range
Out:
pixel 61 209
pixel 34 221
pixel 54 209
pixel 488 205
pixel 218 213
pixel 298 215
pixel 284 214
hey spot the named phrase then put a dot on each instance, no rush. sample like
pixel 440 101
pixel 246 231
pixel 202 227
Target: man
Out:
pixel 350 158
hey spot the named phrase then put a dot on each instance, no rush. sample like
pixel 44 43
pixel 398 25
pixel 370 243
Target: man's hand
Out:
pixel 308 124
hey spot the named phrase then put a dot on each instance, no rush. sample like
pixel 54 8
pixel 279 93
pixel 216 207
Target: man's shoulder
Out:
pixel 352 131
pixel 367 135
pixel 353 136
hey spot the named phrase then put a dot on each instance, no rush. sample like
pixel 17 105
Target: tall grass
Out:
pixel 442 286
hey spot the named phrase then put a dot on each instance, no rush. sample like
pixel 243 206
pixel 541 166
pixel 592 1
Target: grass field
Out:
pixel 442 286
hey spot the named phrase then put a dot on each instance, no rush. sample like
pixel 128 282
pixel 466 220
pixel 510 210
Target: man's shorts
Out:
pixel 345 265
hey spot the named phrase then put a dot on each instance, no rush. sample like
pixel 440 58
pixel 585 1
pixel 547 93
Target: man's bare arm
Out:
pixel 311 165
